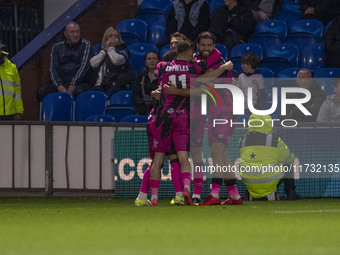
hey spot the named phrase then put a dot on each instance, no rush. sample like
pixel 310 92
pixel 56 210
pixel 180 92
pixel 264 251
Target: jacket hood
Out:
pixel 260 123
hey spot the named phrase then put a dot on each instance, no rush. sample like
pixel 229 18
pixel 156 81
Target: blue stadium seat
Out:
pixel 97 48
pixel 89 103
pixel 156 4
pixel 130 38
pixel 165 49
pixel 281 56
pixel 305 32
pixel 288 73
pixel 135 119
pixel 151 16
pixel 272 26
pixel 137 52
pixel 265 39
pixel 308 26
pixel 242 49
pixel 301 40
pixel 215 3
pixel 157 33
pixel 268 76
pixel 326 77
pixel 123 97
pixel 269 32
pixel 292 5
pixel 118 111
pixel 101 118
pixel 57 107
pixel 288 16
pixel 269 101
pixel 313 56
pixel 223 49
pixel 134 27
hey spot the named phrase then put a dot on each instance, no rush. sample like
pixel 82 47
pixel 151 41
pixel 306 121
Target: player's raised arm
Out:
pixel 228 66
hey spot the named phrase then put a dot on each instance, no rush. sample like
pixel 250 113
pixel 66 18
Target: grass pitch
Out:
pixel 94 226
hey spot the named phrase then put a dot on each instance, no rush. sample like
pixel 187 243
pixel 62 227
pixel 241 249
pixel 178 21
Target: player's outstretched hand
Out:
pixel 228 66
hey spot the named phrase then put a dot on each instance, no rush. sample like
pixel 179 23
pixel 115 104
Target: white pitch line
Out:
pixel 308 211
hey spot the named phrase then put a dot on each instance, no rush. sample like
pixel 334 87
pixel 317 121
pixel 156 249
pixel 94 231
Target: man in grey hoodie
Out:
pixel 330 109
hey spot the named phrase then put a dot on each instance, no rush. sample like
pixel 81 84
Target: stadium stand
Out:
pixel 240 50
pixel 133 28
pixel 57 107
pixel 101 118
pixel 280 56
pixel 151 16
pixel 223 49
pixel 313 56
pixel 157 33
pixel 268 76
pixel 156 4
pixel 135 119
pixel 89 103
pixel 123 97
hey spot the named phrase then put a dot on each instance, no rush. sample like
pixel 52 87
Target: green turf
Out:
pixel 114 226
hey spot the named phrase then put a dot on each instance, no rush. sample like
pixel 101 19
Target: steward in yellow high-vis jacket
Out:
pixel 11 106
pixel 263 155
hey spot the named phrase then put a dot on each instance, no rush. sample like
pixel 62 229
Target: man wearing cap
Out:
pixel 11 106
pixel 263 158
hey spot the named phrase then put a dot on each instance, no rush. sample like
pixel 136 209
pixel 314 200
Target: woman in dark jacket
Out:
pixel 112 64
pixel 147 82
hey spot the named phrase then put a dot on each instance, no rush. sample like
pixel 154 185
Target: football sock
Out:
pixel 186 180
pixel 154 184
pixel 216 186
pixel 176 177
pixel 145 186
pixel 232 188
pixel 198 180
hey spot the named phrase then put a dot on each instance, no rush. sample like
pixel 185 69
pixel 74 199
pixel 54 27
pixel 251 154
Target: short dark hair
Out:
pixel 152 51
pixel 251 59
pixel 337 82
pixel 206 35
pixel 169 56
pixel 184 46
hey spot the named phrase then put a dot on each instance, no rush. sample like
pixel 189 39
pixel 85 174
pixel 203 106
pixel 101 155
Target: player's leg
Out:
pixel 141 200
pixel 155 176
pixel 196 154
pixel 183 157
pixel 176 177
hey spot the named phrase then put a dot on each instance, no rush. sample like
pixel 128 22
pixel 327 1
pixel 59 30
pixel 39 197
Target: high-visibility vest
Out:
pixel 262 156
pixel 10 90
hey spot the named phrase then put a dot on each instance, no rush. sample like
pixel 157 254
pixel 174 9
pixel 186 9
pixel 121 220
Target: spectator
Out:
pixel 330 109
pixel 147 82
pixel 11 106
pixel 305 80
pixel 323 10
pixel 70 64
pixel 262 9
pixel 112 65
pixel 232 23
pixel 332 44
pixel 189 17
pixel 251 78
